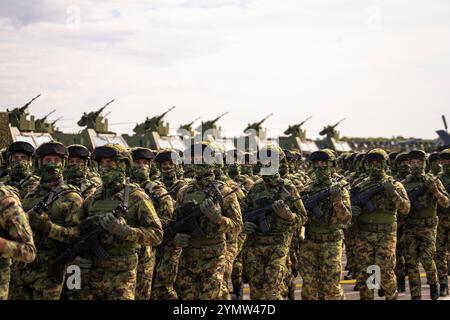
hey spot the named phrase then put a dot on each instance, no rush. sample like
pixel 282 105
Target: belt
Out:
pixel 325 237
pixel 378 227
pixel 425 222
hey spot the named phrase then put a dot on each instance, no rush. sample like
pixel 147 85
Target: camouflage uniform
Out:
pixel 20 172
pixel 376 229
pixel 168 256
pixel 16 237
pixel 265 254
pixel 53 228
pixel 204 257
pixel 321 251
pixel 443 231
pixel 115 276
pixel 164 208
pixel 420 227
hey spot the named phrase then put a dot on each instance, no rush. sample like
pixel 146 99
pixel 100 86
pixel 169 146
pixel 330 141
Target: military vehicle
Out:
pixel 153 133
pixel 95 134
pixel 18 125
pixel 332 140
pixel 255 136
pixel 295 139
pixel 444 136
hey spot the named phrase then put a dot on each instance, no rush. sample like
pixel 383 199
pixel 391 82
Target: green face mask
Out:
pixel 323 173
pixel 234 169
pixel 375 171
pixel 140 174
pixel 112 178
pixel 75 172
pixel 50 172
pixel 168 175
pixel 435 167
pixel 20 169
pixel 204 172
pixel 403 170
pixel 417 169
pixel 247 169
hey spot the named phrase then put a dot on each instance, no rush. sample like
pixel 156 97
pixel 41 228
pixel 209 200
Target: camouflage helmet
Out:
pixel 142 153
pixel 79 151
pixel 113 151
pixel 20 146
pixel 322 155
pixel 401 157
pixel 167 154
pixel 270 149
pixel 417 154
pixel 52 148
pixel 392 156
pixel 445 154
pixel 377 155
pixel 435 156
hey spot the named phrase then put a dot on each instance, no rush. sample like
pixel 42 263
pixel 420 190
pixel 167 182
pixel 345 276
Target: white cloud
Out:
pixel 387 71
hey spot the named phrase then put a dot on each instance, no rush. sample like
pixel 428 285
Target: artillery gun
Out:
pixel 256 129
pixel 155 124
pixel 15 125
pixel 295 139
pixel 210 128
pixel 41 124
pixel 93 120
pixel 331 139
pixel 186 130
pixel 444 136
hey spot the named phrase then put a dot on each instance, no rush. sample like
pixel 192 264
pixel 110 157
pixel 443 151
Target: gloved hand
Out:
pixel 431 185
pixel 249 227
pixel 389 186
pixel 181 240
pixel 115 226
pixel 211 210
pixel 335 192
pixel 39 223
pixel 282 210
pixel 83 263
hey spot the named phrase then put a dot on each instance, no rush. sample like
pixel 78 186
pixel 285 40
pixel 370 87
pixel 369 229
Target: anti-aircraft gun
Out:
pixel 211 125
pixel 17 116
pixel 332 139
pixel 186 129
pixel 296 131
pixel 154 124
pixel 41 124
pixel 256 126
pixel 330 132
pixel 93 120
pixel 444 136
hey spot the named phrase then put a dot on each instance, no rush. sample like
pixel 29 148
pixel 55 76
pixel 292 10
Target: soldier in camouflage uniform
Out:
pixel 419 235
pixel 77 172
pixel 115 277
pixel 321 251
pixel 168 256
pixel 401 171
pixel 376 227
pixel 265 254
pixel 54 211
pixel 19 158
pixel 435 167
pixel 16 237
pixel 140 174
pixel 443 230
pixel 203 259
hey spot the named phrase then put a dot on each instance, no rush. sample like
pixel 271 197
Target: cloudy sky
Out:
pixel 382 64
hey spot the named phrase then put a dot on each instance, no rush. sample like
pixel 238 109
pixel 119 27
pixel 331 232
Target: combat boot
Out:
pixel 434 292
pixel 238 291
pixel 401 285
pixel 443 289
pixel 291 288
pixel 381 292
pixel 416 298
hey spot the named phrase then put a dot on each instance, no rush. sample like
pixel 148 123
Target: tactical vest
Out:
pixel 43 243
pixel 324 224
pixel 425 206
pixel 114 245
pixel 385 212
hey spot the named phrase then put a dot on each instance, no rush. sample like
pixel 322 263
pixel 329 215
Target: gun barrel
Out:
pixel 29 102
pixel 337 123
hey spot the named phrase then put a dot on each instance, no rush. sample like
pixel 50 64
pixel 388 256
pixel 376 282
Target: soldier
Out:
pixel 321 251
pixel 425 193
pixel 434 164
pixel 203 259
pixel 443 230
pixel 16 237
pixel 376 225
pixel 168 256
pixel 265 254
pixel 19 158
pixel 140 174
pixel 77 171
pixel 401 165
pixel 53 210
pixel 137 226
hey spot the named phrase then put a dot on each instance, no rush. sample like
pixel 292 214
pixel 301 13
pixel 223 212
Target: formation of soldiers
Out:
pixel 141 224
